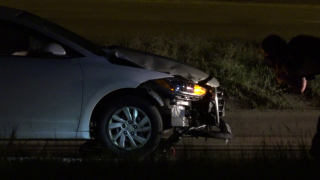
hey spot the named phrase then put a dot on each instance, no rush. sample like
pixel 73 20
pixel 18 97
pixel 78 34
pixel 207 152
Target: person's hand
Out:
pixel 297 84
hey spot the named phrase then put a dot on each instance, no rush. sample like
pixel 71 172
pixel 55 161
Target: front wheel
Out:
pixel 131 126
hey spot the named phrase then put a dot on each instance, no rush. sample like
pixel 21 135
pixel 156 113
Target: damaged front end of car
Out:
pixel 190 102
pixel 189 109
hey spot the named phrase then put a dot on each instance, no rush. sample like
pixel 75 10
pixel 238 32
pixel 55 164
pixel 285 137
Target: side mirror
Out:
pixel 55 49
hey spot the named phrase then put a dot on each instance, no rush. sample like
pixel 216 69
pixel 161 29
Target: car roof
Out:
pixel 7 11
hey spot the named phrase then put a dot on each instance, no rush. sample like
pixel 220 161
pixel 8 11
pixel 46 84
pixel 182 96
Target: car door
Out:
pixel 40 92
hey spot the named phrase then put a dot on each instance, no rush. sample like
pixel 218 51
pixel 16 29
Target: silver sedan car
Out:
pixel 55 84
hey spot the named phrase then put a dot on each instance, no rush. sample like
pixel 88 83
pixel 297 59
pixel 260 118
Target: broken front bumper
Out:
pixel 190 113
pixel 201 116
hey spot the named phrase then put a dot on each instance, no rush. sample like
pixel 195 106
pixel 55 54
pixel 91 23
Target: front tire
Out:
pixel 131 127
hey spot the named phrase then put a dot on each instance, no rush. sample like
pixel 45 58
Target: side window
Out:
pixel 17 40
pixel 12 40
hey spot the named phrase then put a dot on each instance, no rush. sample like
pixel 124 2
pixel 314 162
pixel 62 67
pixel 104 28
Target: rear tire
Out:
pixel 131 127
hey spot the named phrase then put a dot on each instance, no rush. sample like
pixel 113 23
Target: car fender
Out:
pixel 96 87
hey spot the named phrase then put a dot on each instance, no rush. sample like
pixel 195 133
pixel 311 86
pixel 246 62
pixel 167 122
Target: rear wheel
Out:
pixel 131 126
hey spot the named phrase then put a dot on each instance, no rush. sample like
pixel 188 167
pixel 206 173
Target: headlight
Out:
pixel 177 85
pixel 199 90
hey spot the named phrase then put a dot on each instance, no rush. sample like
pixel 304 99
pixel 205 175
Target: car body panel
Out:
pixel 213 82
pixel 163 64
pixel 101 78
pixel 39 95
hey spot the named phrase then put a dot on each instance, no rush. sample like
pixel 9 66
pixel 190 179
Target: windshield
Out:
pixel 81 41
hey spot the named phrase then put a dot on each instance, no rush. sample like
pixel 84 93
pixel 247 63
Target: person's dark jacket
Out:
pixel 303 56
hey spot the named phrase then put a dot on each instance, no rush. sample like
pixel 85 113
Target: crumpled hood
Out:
pixel 162 64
